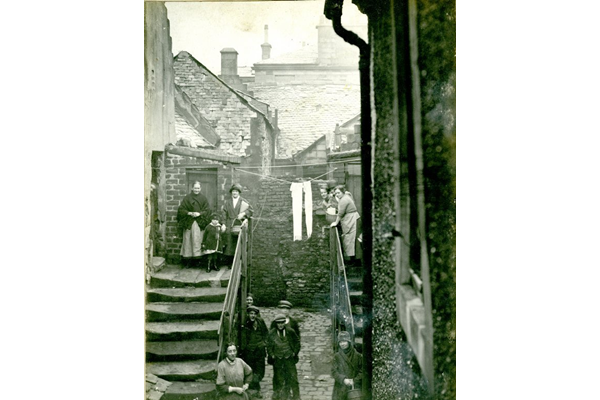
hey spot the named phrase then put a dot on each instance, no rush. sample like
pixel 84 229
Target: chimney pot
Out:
pixel 266 47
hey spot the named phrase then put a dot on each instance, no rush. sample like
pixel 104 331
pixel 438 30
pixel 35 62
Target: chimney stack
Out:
pixel 266 47
pixel 229 62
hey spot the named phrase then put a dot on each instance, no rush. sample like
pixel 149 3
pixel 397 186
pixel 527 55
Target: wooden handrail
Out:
pixel 238 270
pixel 340 295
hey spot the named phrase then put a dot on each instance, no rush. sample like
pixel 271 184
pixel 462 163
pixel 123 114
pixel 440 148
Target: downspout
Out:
pixel 333 11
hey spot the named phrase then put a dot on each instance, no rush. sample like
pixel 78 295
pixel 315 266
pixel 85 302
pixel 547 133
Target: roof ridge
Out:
pixel 234 91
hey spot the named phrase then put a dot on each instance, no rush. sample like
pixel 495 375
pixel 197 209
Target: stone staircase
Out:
pixel 183 308
pixel 355 284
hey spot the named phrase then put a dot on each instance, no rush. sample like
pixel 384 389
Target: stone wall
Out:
pixel 285 75
pixel 282 268
pixel 395 371
pixel 241 128
pixel 159 110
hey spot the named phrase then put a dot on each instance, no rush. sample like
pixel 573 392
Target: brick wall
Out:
pixel 176 189
pixel 282 268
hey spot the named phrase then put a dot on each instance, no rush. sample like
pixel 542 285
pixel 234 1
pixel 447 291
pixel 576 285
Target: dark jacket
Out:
pixel 254 339
pixel 293 324
pixel 277 344
pixel 232 212
pixel 211 242
pixel 346 365
pixel 196 203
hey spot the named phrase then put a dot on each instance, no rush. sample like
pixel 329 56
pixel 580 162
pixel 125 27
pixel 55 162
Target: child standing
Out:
pixel 212 244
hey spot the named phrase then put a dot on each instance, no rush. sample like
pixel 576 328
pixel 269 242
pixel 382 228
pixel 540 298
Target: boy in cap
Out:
pixel 283 346
pixel 253 347
pixel 284 307
pixel 346 369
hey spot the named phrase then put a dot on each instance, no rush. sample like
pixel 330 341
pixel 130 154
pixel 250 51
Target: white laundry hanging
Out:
pixel 308 207
pixel 296 188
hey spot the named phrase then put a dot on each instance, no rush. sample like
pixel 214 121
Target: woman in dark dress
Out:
pixel 192 218
pixel 346 368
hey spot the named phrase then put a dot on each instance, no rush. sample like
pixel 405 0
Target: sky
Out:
pixel 203 29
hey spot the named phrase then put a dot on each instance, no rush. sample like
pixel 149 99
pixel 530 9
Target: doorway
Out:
pixel 208 179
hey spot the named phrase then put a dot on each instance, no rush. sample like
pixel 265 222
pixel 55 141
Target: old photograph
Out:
pixel 300 199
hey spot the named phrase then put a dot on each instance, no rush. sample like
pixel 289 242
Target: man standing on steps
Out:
pixel 285 306
pixel 283 346
pixel 253 347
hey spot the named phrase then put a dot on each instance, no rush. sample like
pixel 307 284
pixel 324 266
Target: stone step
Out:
pixel 183 370
pixel 358 343
pixel 355 296
pixel 193 294
pixel 155 387
pixel 355 283
pixel 177 277
pixel 190 391
pixel 185 330
pixel 358 324
pixel 182 351
pixel 166 311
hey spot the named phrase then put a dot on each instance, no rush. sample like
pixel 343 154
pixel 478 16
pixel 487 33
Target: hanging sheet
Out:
pixel 308 207
pixel 297 188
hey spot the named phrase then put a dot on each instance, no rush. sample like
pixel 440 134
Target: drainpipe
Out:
pixel 333 11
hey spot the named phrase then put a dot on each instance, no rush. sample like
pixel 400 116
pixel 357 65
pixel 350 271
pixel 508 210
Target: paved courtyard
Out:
pixel 314 367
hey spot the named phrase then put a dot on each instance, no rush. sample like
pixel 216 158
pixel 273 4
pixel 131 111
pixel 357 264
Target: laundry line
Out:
pixel 283 180
pixel 303 165
pixel 297 188
pixel 262 175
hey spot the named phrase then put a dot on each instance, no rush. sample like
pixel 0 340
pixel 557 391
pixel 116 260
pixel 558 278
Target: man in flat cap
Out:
pixel 283 346
pixel 285 307
pixel 253 347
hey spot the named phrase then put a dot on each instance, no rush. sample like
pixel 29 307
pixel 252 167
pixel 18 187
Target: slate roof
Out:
pixel 307 112
pixel 262 106
pixel 183 55
pixel 185 131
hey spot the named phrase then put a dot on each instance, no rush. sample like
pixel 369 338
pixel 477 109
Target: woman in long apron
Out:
pixel 347 217
pixel 192 218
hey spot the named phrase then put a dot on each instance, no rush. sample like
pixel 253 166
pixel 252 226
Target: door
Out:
pixel 354 184
pixel 208 179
